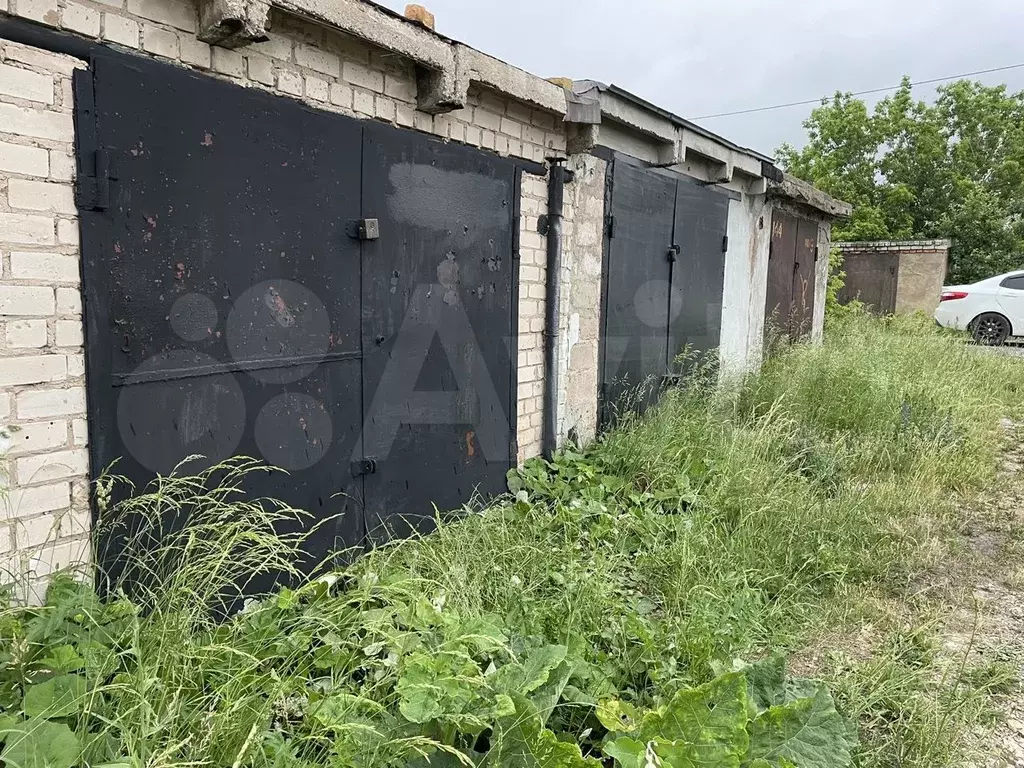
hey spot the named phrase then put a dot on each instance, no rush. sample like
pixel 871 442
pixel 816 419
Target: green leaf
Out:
pixel 40 744
pixel 618 716
pixel 627 752
pixel 57 697
pixel 808 732
pixel 766 682
pixel 532 673
pixel 522 741
pixel 711 720
pixel 63 658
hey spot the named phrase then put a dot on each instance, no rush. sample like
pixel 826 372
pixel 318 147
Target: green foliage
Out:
pixel 750 717
pixel 593 616
pixel 950 169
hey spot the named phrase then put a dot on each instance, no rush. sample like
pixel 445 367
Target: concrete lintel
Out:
pixel 581 138
pixel 639 119
pixel 233 23
pixel 511 81
pixel 792 188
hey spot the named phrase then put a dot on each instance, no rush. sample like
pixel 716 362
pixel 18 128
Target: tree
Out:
pixel 953 169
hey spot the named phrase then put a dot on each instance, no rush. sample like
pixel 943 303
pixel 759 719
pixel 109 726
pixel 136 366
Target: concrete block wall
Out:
pixel 43 457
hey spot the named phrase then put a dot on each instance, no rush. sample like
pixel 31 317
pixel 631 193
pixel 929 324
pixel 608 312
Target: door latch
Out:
pixel 673 252
pixel 367 466
pixel 369 229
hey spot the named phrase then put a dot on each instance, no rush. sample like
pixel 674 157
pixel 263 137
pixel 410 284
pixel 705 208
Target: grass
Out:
pixel 786 514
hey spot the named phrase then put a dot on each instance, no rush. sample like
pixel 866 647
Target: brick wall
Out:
pixel 532 278
pixel 42 390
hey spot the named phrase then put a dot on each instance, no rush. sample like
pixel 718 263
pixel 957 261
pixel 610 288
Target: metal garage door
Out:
pixel 871 278
pixel 235 306
pixel 663 280
pixel 789 306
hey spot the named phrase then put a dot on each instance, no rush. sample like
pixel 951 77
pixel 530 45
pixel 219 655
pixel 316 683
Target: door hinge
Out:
pixel 673 252
pixel 725 244
pixel 92 192
pixel 609 226
pixel 817 253
pixel 367 466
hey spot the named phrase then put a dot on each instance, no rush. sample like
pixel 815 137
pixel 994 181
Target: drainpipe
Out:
pixel 552 226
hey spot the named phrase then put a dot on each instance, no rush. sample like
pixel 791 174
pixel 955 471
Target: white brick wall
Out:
pixel 532 275
pixel 44 514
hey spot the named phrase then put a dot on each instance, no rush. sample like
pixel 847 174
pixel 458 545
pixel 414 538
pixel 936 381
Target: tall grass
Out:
pixel 720 525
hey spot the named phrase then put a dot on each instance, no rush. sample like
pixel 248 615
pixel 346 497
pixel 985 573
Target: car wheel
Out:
pixel 990 329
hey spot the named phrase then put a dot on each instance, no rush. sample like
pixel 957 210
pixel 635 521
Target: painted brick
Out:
pixel 39 436
pixel 49 403
pixel 56 557
pixel 81 19
pixel 118 29
pixel 405 116
pixel 362 102
pixel 276 47
pixel 289 82
pixel 41 196
pixel 37 123
pixel 171 12
pixel 228 62
pixel 30 161
pixel 62 166
pixel 37 532
pixel 43 60
pixel 28 301
pixel 26 334
pixel 363 76
pixel 6 406
pixel 317 59
pixel 317 89
pixel 69 333
pixel 341 95
pixel 45 11
pixel 80 432
pixel 160 41
pixel 195 52
pixel 384 108
pixel 32 370
pixel 59 465
pixel 67 231
pixel 24 84
pixel 54 267
pixel 400 88
pixel 111 3
pixel 486 119
pixel 69 301
pixel 511 127
pixel 76 366
pixel 260 69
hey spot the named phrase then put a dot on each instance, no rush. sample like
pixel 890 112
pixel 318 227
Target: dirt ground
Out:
pixel 987 619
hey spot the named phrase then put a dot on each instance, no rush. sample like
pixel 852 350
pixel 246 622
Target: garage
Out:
pixel 665 254
pixel 792 259
pixel 334 297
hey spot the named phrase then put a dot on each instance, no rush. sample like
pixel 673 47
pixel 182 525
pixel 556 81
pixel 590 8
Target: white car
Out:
pixel 992 310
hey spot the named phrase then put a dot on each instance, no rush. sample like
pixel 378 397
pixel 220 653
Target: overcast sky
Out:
pixel 701 57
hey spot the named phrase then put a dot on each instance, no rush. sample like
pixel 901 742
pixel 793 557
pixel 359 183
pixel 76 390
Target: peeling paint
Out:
pixel 448 277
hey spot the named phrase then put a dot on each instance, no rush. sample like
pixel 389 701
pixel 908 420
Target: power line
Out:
pixel 858 93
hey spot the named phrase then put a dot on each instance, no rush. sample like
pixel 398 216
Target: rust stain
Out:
pixel 207 140
pixel 117 248
pixel 470 448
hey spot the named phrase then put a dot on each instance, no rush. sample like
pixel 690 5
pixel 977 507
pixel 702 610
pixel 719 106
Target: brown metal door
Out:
pixel 803 278
pixel 871 278
pixel 778 307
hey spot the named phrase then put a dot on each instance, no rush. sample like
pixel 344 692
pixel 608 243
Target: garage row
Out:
pixel 342 244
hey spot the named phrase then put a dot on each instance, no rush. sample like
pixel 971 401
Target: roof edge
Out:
pixel 792 188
